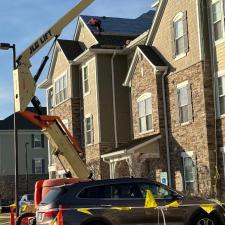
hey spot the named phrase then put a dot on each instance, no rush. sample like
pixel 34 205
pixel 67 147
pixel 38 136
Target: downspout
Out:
pixel 114 99
pixel 213 71
pixel 166 128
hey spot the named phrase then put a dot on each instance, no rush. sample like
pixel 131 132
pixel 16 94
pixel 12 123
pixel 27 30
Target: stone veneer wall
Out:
pixel 192 136
pixel 7 185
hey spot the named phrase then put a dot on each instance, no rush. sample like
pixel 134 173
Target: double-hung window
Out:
pixel 86 87
pixel 217 19
pixel 184 102
pixel 38 166
pixel 61 89
pixel 179 35
pixel 189 171
pixel 37 140
pixel 221 94
pixel 145 113
pixel 89 131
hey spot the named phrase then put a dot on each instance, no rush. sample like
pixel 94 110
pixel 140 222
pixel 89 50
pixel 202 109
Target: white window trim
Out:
pixel 88 78
pixel 222 149
pixel 218 75
pixel 222 39
pixel 89 115
pixel 178 16
pixel 188 154
pixel 41 165
pixel 41 141
pixel 143 97
pixel 65 73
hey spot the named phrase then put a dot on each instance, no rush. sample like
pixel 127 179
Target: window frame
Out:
pixel 219 75
pixel 179 17
pixel 191 155
pixel 222 10
pixel 86 66
pixel 143 98
pixel 42 144
pixel 66 97
pixel 180 86
pixel 42 165
pixel 222 149
pixel 89 116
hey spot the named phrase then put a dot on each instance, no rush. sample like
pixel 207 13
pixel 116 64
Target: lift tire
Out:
pixel 19 220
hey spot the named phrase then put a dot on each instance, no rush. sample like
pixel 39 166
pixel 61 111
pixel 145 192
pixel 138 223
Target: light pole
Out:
pixel 26 165
pixel 7 46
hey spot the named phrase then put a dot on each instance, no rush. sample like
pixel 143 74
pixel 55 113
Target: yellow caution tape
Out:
pixel 150 200
pixel 13 205
pixel 24 207
pixel 208 207
pixel 54 222
pixel 85 211
pixel 173 204
pixel 121 208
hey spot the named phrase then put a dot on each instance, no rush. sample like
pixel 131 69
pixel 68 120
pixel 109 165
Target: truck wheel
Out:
pixel 24 216
pixel 205 219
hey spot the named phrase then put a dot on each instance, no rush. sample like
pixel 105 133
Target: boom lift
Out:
pixel 64 146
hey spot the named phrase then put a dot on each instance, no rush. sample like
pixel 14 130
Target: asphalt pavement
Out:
pixel 4 219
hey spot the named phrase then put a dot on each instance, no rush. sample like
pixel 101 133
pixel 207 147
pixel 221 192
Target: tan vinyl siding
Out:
pixel 220 50
pixel 162 40
pixel 90 100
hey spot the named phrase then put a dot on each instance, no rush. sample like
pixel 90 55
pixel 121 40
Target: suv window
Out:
pixel 158 191
pixel 52 196
pixel 113 191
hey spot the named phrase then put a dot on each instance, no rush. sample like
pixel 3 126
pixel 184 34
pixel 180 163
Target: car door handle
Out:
pixel 107 206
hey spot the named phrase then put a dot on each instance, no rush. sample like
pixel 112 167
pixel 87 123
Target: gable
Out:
pixel 84 35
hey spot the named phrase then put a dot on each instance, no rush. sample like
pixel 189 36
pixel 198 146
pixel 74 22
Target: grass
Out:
pixel 5 219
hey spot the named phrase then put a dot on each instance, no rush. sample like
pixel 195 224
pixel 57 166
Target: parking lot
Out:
pixel 4 219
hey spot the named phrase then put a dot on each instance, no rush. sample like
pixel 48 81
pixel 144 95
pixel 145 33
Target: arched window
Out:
pixel 179 34
pixel 145 112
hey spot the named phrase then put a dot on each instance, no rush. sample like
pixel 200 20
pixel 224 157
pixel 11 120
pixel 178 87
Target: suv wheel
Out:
pixel 205 220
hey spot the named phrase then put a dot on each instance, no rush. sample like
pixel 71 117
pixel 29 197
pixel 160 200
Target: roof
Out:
pixel 122 26
pixel 136 142
pixel 152 55
pixel 70 48
pixel 112 41
pixel 22 124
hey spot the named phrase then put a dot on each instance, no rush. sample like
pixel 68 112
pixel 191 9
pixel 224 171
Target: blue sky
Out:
pixel 23 21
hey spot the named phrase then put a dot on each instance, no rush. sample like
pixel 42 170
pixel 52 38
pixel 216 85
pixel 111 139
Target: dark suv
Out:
pixel 121 201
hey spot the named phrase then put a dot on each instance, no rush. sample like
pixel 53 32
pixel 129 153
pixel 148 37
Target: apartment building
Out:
pixel 32 157
pixel 84 85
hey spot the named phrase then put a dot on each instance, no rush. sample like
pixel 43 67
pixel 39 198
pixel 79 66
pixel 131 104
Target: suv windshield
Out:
pixel 52 196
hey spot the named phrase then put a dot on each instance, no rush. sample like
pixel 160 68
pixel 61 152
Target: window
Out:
pixel 184 102
pixel 85 80
pixel 158 191
pixel 179 34
pixel 217 16
pixel 37 140
pixel 38 166
pixel 221 94
pixel 145 112
pixel 113 191
pixel 89 132
pixel 189 171
pixel 222 149
pixel 61 90
pixel 50 98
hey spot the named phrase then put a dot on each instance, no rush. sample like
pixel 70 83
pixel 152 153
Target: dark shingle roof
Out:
pixel 70 48
pixel 112 40
pixel 122 26
pixel 22 124
pixel 152 55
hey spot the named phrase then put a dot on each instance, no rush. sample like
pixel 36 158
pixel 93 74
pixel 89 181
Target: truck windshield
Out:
pixel 52 196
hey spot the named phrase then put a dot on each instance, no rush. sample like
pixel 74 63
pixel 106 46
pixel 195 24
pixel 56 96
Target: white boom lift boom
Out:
pixel 64 146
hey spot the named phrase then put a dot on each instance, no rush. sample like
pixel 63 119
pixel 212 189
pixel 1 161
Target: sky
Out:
pixel 23 21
